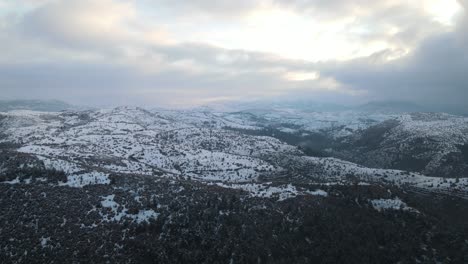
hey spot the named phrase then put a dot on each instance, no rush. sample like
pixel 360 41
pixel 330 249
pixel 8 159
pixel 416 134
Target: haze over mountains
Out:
pixel 306 105
pixel 35 105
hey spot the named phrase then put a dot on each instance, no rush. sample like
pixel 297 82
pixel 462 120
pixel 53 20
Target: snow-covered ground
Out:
pixel 338 123
pixel 391 204
pixel 336 170
pixel 267 190
pixel 90 145
pixel 118 212
pixel 80 180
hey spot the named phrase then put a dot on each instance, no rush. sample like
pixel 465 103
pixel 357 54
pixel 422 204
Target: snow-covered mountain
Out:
pixel 207 146
pixel 35 105
pixel 144 185
pixel 430 143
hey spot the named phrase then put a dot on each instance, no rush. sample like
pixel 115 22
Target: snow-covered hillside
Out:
pixel 430 143
pixel 128 181
pixel 90 146
pixel 136 141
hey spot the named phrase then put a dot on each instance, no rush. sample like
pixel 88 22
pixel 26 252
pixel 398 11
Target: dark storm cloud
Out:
pixel 434 74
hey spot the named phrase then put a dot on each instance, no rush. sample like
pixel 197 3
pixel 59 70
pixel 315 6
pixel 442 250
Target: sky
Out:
pixel 186 53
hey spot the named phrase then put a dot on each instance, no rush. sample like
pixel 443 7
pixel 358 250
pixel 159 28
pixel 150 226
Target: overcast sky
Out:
pixel 185 53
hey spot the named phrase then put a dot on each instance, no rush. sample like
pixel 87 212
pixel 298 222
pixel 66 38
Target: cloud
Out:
pixel 435 74
pixel 462 27
pixel 81 24
pixel 144 52
pixel 212 8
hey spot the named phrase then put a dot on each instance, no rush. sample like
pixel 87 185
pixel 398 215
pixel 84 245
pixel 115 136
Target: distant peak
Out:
pixel 35 105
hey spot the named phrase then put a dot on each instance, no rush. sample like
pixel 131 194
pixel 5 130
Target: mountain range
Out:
pixel 252 185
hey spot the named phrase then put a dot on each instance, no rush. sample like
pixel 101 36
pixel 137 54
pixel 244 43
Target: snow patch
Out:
pixel 281 192
pixel 84 179
pixel 14 181
pixel 318 193
pixel 44 241
pixel 391 204
pixel 118 215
